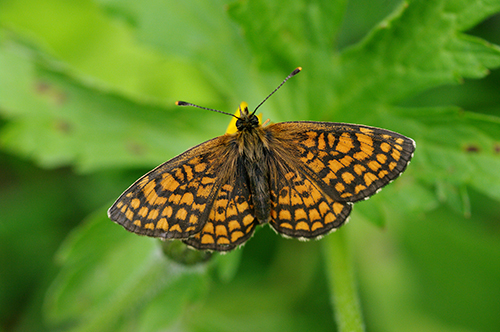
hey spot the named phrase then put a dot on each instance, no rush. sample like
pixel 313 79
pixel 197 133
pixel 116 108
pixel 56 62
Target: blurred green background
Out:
pixel 87 92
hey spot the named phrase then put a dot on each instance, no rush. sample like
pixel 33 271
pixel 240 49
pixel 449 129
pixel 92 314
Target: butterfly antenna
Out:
pixel 292 74
pixel 183 103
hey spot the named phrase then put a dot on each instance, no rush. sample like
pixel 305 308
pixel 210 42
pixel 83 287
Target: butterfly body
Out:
pixel 300 177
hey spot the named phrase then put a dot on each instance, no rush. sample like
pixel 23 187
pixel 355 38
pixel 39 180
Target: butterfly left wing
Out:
pixel 174 200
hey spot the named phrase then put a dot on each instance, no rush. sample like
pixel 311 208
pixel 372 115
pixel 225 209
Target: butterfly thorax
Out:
pixel 252 155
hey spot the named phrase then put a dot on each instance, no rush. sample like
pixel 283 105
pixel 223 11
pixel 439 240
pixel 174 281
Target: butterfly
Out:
pixel 300 177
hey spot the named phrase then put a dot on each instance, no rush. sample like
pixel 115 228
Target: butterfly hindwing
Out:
pixel 175 199
pixel 231 221
pixel 348 162
pixel 299 208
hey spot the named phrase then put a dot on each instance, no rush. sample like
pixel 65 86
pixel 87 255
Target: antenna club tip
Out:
pixel 298 69
pixel 181 103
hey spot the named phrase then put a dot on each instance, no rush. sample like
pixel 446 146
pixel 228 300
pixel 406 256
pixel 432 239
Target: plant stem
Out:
pixel 342 284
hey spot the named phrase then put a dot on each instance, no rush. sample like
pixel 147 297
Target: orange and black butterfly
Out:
pixel 301 177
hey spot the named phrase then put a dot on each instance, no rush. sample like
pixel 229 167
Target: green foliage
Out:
pixel 90 86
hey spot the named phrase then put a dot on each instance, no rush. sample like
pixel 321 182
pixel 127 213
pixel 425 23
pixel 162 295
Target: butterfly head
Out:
pixel 246 120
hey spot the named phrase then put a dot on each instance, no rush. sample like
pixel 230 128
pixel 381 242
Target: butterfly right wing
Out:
pixel 174 200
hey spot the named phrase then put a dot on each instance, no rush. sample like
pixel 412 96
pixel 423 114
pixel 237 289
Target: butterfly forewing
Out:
pixel 231 221
pixel 348 162
pixel 174 200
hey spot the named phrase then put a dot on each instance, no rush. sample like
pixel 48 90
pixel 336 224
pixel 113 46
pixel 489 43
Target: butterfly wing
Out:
pixel 347 162
pixel 299 207
pixel 175 199
pixel 231 221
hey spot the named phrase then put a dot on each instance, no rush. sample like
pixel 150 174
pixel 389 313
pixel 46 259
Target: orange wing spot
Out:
pixel 247 220
pixel 235 236
pixel 167 211
pixel 207 180
pixel 366 130
pixel 321 141
pixel 153 214
pixel 154 199
pixel 399 147
pixel 169 183
pixel 285 200
pixel 369 178
pixel 149 225
pixel 382 158
pixel 274 213
pixel 181 214
pixel 339 187
pixel 316 165
pixel 337 208
pixel 209 228
pixel 296 199
pixel 365 139
pixel 399 140
pixel 323 208
pixel 314 215
pixel 175 199
pixel 124 208
pixel 162 224
pixel 137 223
pixel 189 172
pixel 231 210
pixel 199 207
pixel 179 175
pixel 285 215
pixel 330 217
pixel 193 219
pixel 300 214
pixel 387 137
pixel 347 177
pixel 328 177
pixel 176 228
pixel 242 207
pixel 360 155
pixel 359 169
pixel 392 165
pixel 396 154
pixel 233 224
pixel 374 165
pixel 141 184
pixel 335 165
pixel 135 203
pixel 358 188
pixel 346 161
pixel 227 187
pixel 345 144
pixel 149 188
pixel 220 230
pixel 368 149
pixel 195 161
pixel 310 142
pixel 286 225
pixel 203 191
pixel 190 228
pixel 207 239
pixel 316 225
pixel 200 167
pixel 302 225
pixel 385 147
pixel 187 199
pixel 120 204
pixel 331 140
pixel 346 195
pixel 382 174
pixel 301 188
pixel 143 212
pixel 223 240
pixel 289 175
